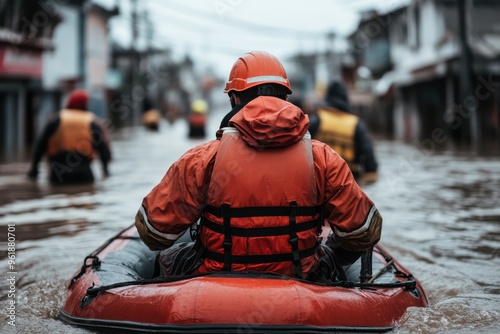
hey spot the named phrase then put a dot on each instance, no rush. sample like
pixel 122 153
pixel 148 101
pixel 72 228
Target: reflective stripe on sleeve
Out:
pixel 363 228
pixel 151 228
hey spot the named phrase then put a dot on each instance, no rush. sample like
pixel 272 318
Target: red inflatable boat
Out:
pixel 115 291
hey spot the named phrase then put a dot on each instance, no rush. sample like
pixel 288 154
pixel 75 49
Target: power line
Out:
pixel 204 43
pixel 239 24
pixel 204 30
pixel 162 38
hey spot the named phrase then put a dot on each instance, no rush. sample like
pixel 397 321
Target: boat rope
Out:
pixel 384 268
pixel 389 263
pixel 93 290
pixel 409 284
pixel 96 262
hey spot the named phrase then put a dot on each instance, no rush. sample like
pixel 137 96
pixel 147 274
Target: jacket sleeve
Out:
pixel 41 145
pixel 314 123
pixel 353 217
pixel 365 154
pixel 101 144
pixel 177 201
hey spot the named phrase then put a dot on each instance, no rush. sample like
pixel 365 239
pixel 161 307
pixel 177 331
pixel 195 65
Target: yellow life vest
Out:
pixel 73 134
pixel 337 130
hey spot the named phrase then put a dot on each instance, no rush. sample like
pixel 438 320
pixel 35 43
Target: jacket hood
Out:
pixel 270 122
pixel 336 96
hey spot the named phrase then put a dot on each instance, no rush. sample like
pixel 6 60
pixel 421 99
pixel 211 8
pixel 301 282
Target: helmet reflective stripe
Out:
pixel 266 78
pixel 256 68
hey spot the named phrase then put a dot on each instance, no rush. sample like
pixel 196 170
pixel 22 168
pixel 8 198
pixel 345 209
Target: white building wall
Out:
pixel 418 60
pixel 429 27
pixel 97 51
pixel 62 63
pixel 399 115
pixel 432 48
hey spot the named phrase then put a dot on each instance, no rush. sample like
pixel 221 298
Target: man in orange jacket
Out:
pixel 263 190
pixel 71 141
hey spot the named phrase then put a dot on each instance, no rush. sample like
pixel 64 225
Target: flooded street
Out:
pixel 442 221
pixel 441 214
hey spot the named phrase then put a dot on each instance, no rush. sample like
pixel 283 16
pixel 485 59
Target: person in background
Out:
pixel 345 132
pixel 197 119
pixel 71 141
pixel 150 115
pixel 263 190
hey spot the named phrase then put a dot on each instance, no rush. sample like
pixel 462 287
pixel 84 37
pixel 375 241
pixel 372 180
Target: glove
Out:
pixel 344 256
pixel 105 172
pixel 33 174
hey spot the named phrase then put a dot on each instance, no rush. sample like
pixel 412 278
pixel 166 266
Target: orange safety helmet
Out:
pixel 256 68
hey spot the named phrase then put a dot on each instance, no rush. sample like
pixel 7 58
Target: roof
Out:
pixel 373 15
pixel 107 13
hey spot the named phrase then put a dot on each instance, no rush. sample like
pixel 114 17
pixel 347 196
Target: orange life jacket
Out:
pixel 262 212
pixel 73 134
pixel 337 129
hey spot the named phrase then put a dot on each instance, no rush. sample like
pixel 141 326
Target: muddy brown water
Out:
pixel 441 220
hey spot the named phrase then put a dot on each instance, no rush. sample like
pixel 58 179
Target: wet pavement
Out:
pixel 441 220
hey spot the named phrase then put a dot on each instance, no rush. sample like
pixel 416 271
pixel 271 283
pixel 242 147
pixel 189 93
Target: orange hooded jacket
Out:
pixel 268 162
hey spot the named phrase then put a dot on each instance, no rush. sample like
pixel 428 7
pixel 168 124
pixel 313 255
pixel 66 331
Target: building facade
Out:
pixel 26 29
pixel 437 69
pixel 47 49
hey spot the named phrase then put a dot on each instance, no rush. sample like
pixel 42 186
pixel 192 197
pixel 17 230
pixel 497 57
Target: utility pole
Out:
pixel 149 32
pixel 135 62
pixel 82 37
pixel 467 100
pixel 332 68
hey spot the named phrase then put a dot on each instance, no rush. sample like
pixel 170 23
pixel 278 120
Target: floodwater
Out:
pixel 441 220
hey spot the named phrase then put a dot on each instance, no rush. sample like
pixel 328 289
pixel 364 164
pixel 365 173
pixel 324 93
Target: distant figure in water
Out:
pixel 150 115
pixel 197 119
pixel 334 124
pixel 71 140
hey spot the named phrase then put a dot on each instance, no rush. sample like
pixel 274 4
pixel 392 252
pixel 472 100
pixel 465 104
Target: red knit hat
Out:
pixel 77 100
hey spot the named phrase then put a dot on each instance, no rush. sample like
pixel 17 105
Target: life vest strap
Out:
pixel 228 237
pixel 262 211
pixel 255 259
pixel 294 240
pixel 226 213
pixel 260 231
